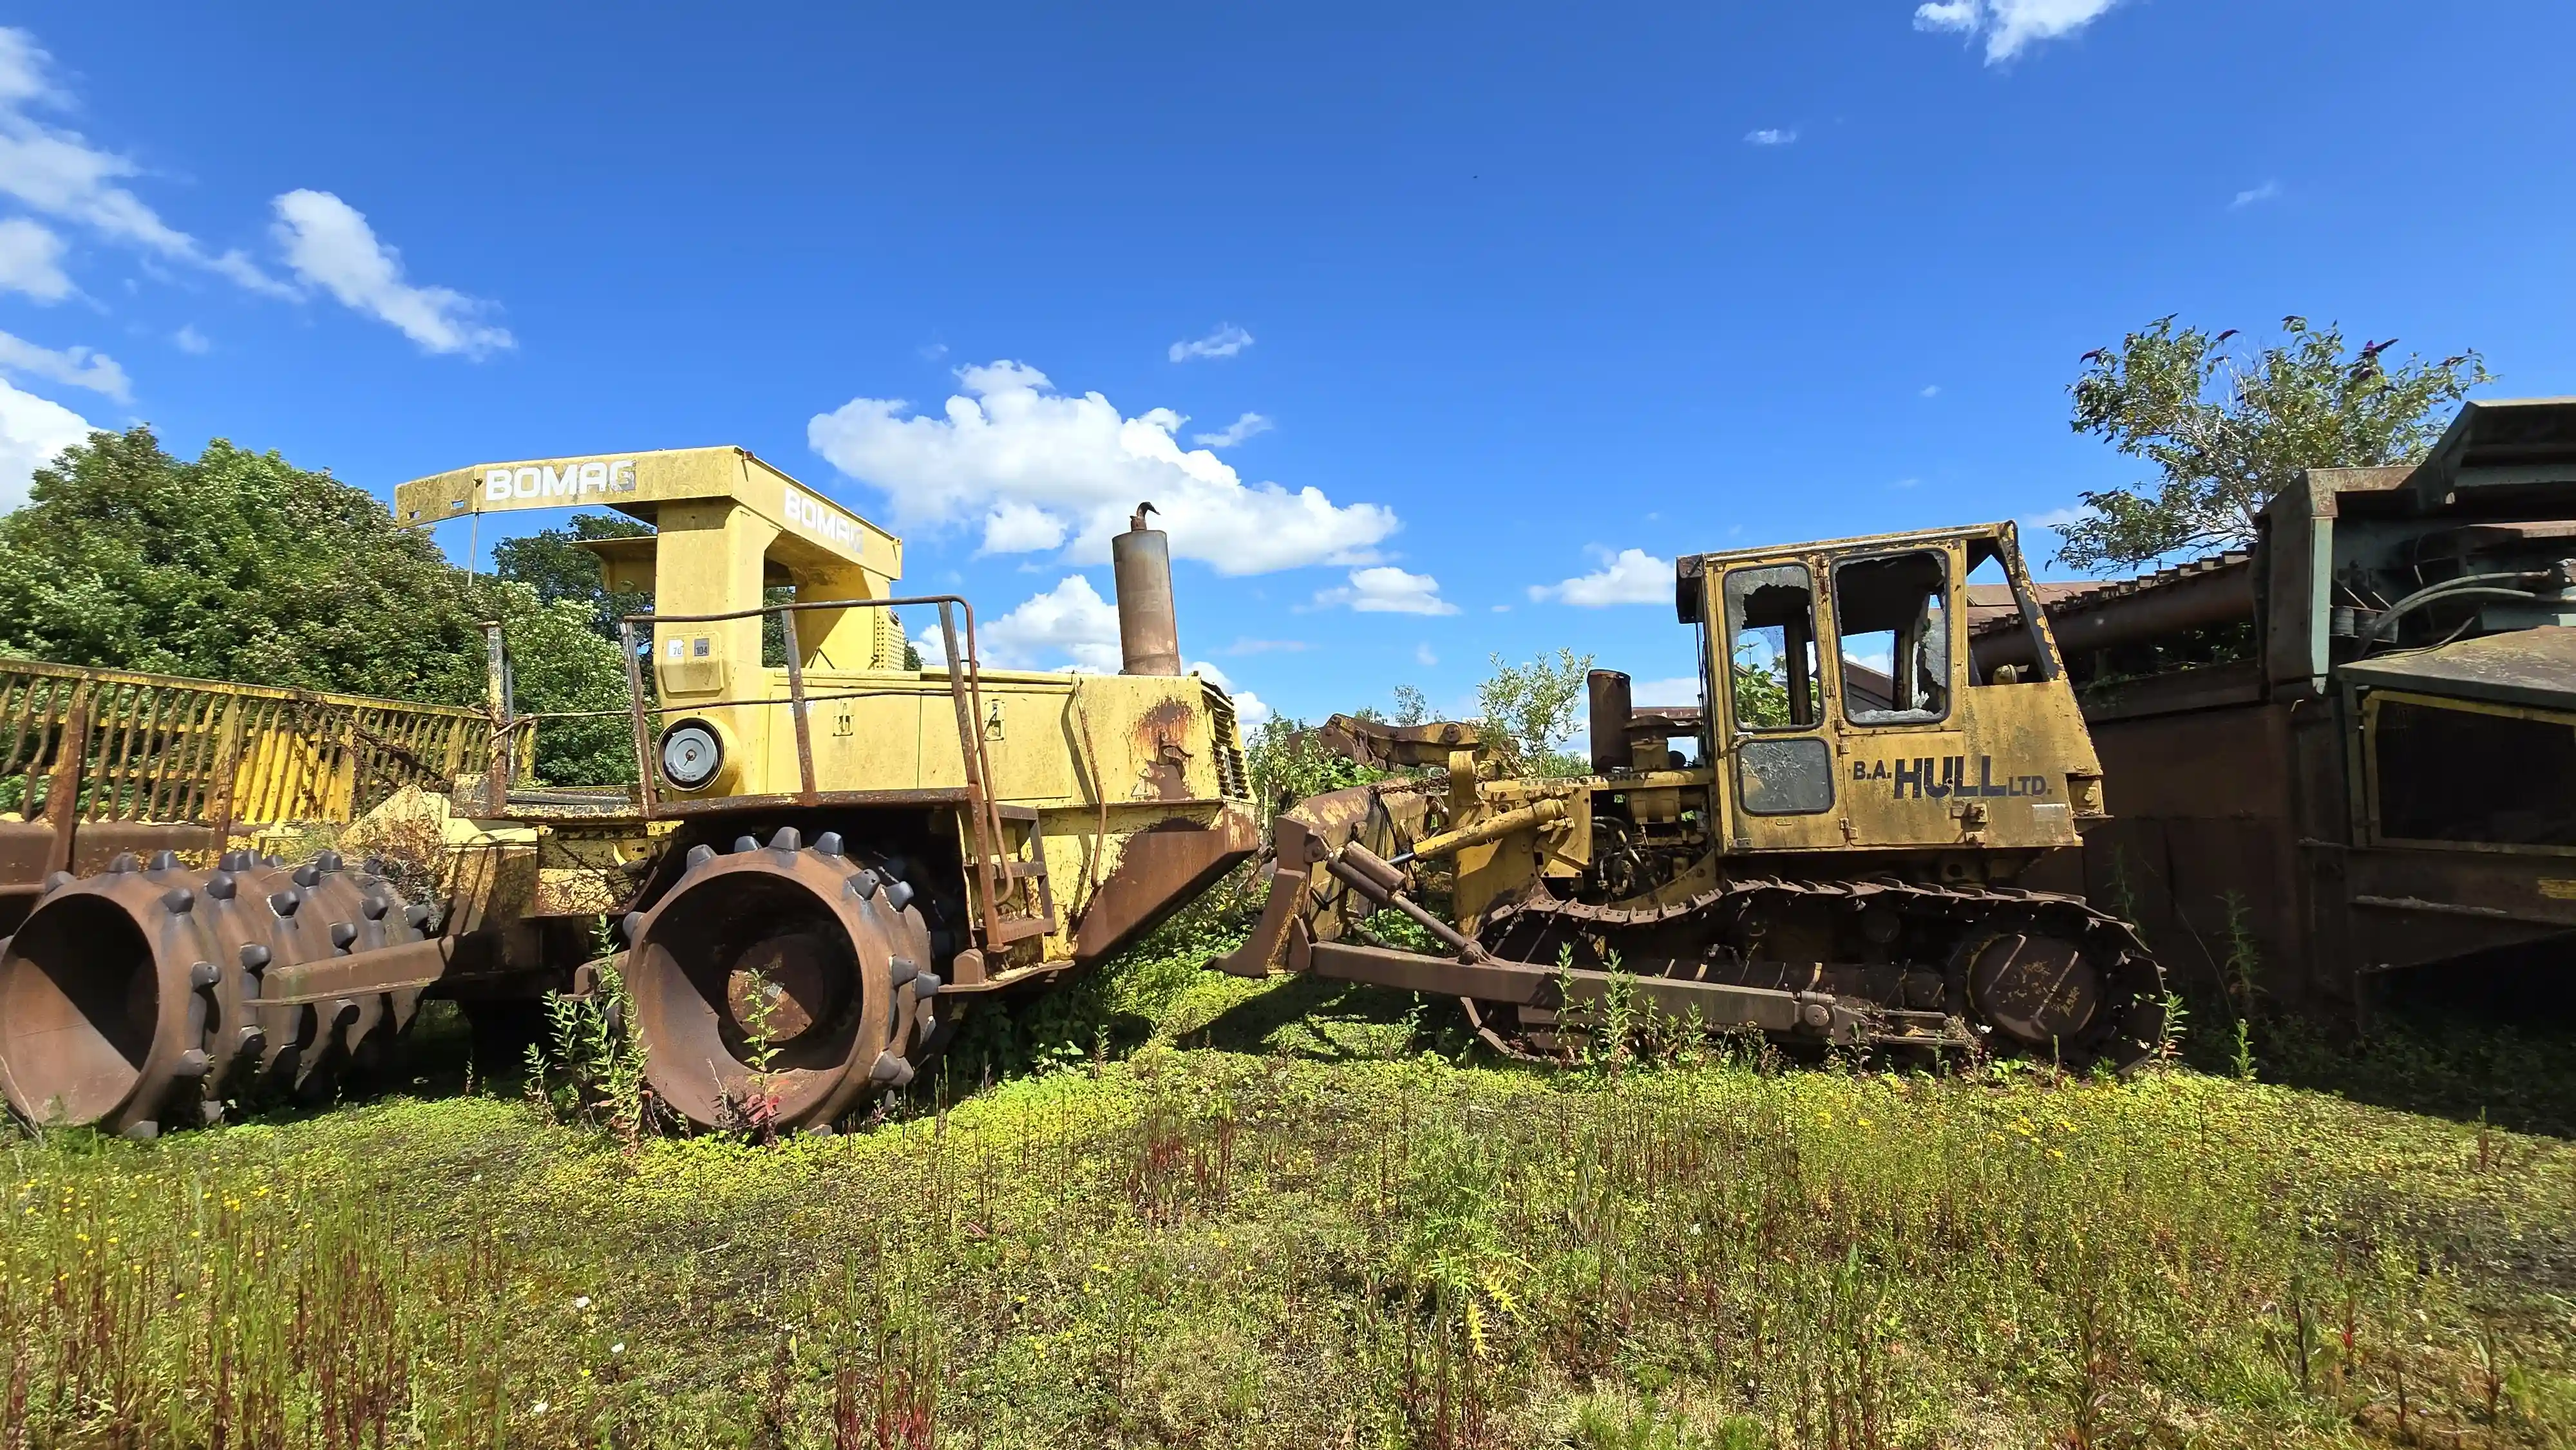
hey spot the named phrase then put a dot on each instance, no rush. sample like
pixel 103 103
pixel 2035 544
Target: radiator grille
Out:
pixel 1231 780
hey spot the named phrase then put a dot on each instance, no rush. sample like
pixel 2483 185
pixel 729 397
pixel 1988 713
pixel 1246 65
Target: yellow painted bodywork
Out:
pixel 2009 770
pixel 1099 757
pixel 726 524
pixel 2019 749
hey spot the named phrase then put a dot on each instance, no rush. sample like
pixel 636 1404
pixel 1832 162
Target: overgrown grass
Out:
pixel 1285 1219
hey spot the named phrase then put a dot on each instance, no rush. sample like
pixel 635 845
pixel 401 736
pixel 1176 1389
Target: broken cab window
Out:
pixel 2006 645
pixel 1893 618
pixel 1771 639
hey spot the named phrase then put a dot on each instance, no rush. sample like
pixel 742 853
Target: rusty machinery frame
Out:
pixel 117 760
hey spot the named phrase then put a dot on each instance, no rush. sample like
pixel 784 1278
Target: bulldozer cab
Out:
pixel 1844 709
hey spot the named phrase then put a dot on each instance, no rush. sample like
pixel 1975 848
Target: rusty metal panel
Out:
pixel 2529 667
pixel 1160 868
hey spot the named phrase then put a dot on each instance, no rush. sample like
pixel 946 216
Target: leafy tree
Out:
pixel 1287 765
pixel 560 665
pixel 552 562
pixel 240 566
pixel 234 566
pixel 1412 707
pixel 1761 689
pixel 2227 432
pixel 1526 710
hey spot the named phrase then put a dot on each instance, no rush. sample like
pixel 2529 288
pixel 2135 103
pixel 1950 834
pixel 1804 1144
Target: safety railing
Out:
pixel 82 745
pixel 994 875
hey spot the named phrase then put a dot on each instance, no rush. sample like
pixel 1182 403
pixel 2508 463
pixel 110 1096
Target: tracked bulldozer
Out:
pixel 1838 862
pixel 825 855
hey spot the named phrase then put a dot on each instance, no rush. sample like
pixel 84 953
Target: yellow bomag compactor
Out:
pixel 1838 865
pixel 824 855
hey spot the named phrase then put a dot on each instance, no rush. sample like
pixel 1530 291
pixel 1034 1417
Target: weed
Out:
pixel 1262 1249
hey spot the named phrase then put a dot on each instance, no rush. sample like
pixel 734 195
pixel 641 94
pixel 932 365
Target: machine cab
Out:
pixel 1845 710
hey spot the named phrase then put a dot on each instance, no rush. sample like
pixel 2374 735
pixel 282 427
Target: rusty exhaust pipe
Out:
pixel 1611 711
pixel 1149 632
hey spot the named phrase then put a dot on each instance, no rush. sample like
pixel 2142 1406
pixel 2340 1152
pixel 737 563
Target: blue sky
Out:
pixel 1497 297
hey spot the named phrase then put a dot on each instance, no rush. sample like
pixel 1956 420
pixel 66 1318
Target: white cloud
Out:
pixel 60 174
pixel 1014 527
pixel 1423 656
pixel 1226 341
pixel 330 245
pixel 1009 438
pixel 1631 576
pixel 2010 26
pixel 79 367
pixel 1770 136
pixel 1930 390
pixel 1070 621
pixel 32 431
pixel 189 339
pixel 1235 432
pixel 1389 590
pixel 2054 521
pixel 1679 690
pixel 1905 483
pixel 1249 708
pixel 2253 195
pixel 31 261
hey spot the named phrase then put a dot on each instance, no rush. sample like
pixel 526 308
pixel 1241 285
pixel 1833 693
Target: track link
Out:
pixel 1927 964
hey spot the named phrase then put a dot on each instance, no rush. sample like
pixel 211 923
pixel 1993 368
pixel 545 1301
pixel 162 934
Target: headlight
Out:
pixel 692 753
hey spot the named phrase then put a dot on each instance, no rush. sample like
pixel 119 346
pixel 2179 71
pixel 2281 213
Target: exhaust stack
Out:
pixel 1611 713
pixel 1149 635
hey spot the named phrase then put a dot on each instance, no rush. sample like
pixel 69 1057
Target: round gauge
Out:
pixel 691 754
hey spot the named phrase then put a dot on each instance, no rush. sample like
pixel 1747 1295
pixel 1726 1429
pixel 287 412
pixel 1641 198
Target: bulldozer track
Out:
pixel 1956 967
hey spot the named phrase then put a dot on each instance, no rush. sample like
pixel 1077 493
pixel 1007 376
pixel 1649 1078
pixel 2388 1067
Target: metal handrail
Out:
pixel 965 690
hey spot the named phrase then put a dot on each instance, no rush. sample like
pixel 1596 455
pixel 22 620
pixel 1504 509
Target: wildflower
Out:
pixel 539 1408
pixel 618 1348
pixel 581 1301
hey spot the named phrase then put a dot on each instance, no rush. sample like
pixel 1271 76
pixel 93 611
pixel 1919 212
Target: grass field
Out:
pixel 1289 1219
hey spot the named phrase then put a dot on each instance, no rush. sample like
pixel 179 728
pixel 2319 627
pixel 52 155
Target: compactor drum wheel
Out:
pixel 776 984
pixel 132 999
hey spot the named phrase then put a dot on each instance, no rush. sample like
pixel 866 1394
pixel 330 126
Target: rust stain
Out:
pixel 1158 737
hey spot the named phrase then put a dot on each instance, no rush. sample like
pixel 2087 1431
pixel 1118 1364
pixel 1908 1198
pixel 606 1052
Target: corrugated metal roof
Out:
pixel 1989 605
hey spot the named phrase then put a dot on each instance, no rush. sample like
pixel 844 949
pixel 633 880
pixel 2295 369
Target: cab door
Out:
pixel 1907 763
pixel 1777 773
